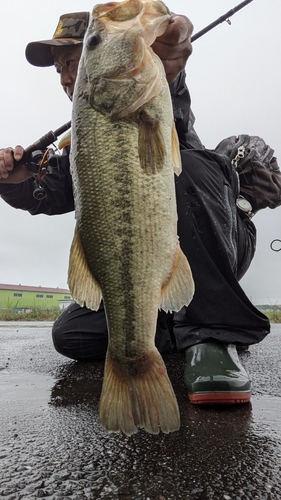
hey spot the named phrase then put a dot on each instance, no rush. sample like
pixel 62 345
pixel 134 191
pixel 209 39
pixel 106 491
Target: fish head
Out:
pixel 119 32
pixel 116 54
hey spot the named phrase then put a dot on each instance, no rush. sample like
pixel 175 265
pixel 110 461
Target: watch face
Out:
pixel 244 205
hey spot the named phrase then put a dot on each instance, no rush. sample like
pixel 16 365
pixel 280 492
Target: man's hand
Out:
pixel 9 175
pixel 174 47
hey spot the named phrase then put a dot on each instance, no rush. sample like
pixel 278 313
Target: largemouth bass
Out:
pixel 125 248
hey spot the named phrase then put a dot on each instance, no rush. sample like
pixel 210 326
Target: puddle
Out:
pixel 25 324
pixel 21 386
pixel 267 413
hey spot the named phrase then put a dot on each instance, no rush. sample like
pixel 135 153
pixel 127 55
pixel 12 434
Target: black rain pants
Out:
pixel 219 243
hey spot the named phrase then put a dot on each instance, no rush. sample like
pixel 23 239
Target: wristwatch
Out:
pixel 244 205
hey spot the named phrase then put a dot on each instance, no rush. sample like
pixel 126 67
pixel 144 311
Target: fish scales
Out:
pixel 128 227
pixel 125 247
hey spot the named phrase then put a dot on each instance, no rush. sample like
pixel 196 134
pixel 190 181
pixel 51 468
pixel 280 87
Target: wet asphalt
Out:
pixel 52 445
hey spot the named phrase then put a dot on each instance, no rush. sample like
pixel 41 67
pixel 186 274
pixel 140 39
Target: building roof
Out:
pixel 27 288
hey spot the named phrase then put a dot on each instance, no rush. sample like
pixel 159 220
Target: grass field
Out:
pixel 274 316
pixel 52 314
pixel 36 314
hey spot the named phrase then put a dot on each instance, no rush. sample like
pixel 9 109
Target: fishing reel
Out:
pixel 42 163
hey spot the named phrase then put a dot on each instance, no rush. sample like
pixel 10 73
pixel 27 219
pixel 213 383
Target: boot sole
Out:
pixel 220 398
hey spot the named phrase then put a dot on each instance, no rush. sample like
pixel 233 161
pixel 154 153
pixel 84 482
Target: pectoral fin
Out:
pixel 84 288
pixel 152 149
pixel 179 289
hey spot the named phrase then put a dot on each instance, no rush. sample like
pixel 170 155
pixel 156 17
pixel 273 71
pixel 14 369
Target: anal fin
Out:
pixel 84 287
pixel 178 291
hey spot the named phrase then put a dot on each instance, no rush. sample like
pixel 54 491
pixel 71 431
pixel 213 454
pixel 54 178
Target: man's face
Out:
pixel 66 59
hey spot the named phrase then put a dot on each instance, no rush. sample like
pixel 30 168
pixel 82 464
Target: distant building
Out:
pixel 30 297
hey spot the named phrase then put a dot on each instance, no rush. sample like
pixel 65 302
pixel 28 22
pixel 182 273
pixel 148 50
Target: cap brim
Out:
pixel 40 53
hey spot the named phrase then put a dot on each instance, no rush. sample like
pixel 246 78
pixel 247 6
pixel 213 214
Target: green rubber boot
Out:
pixel 214 375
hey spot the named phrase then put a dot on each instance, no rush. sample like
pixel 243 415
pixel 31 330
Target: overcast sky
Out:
pixel 234 79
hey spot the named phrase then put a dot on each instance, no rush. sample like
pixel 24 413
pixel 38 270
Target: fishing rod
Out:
pixel 220 20
pixel 36 162
pixel 51 136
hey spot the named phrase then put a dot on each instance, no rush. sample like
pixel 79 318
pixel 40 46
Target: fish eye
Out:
pixel 93 41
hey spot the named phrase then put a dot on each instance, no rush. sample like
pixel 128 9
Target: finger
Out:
pixel 3 170
pixel 170 52
pixel 7 159
pixel 18 153
pixel 17 176
pixel 179 29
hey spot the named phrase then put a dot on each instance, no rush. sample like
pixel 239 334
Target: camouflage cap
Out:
pixel 70 31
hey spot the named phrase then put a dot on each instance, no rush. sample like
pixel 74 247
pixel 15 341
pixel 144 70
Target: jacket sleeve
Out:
pixel 58 188
pixel 183 115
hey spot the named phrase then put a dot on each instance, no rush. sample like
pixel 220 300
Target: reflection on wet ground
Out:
pixel 52 446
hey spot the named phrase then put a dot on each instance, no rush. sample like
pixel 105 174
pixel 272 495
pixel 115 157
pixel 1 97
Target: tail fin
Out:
pixel 143 400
